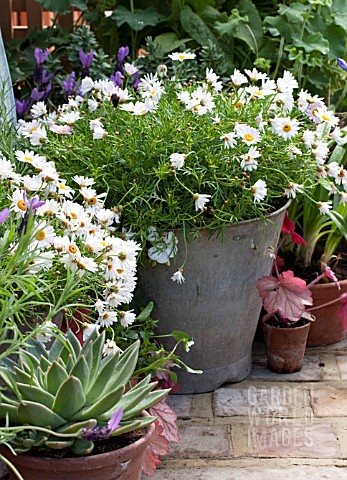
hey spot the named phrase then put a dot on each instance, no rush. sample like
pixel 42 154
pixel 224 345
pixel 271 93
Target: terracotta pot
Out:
pixel 122 464
pixel 285 347
pixel 328 327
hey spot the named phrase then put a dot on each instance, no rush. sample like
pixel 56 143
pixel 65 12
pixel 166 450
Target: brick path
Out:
pixel 270 426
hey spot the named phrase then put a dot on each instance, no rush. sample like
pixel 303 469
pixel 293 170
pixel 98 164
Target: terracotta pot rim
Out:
pixel 78 461
pixel 330 286
pixel 264 321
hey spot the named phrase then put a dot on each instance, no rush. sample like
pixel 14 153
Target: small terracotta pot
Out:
pixel 285 347
pixel 328 327
pixel 122 464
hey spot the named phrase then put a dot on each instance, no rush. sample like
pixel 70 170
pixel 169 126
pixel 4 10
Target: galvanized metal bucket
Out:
pixel 219 304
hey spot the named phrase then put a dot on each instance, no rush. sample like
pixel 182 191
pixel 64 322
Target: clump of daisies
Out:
pixel 194 154
pixel 72 234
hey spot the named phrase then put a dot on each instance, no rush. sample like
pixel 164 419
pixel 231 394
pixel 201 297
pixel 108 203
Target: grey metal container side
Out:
pixel 219 303
pixel 6 84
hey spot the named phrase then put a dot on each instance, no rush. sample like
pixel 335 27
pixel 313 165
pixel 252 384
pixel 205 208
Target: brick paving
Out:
pixel 269 426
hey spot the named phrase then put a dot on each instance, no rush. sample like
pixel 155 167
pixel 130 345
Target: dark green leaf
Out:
pixel 196 27
pixel 311 42
pixel 137 20
pixel 60 7
pixel 103 405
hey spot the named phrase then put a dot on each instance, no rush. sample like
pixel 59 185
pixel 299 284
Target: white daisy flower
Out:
pixel 249 162
pixel 324 207
pixel 99 133
pixel 83 181
pixel 259 190
pixel 238 78
pixel 38 110
pixel 182 56
pixel 127 318
pixel 177 160
pixel 38 136
pixel 88 329
pixel 229 139
pixel 248 134
pixel 130 69
pixel 110 348
pixel 44 235
pixel 107 318
pixel 255 75
pixel 285 127
pixel 287 83
pixel 45 333
pixel 200 200
pixel 291 190
pixel 178 276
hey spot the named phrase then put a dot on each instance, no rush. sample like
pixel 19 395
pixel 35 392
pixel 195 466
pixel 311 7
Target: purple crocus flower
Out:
pixel 69 84
pixel 40 55
pixel 136 80
pixel 21 107
pixel 123 52
pixel 86 58
pixel 117 79
pixel 113 423
pixel 4 214
pixel 32 204
pixel 36 95
pixel 342 63
pixel 46 78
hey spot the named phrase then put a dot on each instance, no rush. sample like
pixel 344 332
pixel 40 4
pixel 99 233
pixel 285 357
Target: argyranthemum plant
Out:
pixel 190 154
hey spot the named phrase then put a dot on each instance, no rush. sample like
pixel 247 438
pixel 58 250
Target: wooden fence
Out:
pixel 19 17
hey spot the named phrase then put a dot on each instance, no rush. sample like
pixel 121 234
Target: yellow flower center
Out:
pixel 287 127
pixel 21 205
pixel 72 249
pixel 73 215
pixel 182 57
pixel 91 201
pixel 326 118
pixel 33 130
pixel 249 137
pixel 28 159
pixel 239 104
pixel 105 316
pixel 257 93
pixel 62 186
pixel 40 236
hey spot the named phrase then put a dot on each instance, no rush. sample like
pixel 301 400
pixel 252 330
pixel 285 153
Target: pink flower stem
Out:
pixel 323 305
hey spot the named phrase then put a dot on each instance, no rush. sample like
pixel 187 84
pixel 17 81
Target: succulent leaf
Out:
pixel 58 444
pixel 35 394
pixel 36 348
pixel 55 349
pixel 135 396
pixel 82 447
pixel 105 403
pixel 70 363
pixel 75 344
pixel 81 371
pixel 75 427
pixel 11 411
pixel 36 414
pixel 24 377
pixel 69 398
pixel 56 375
pixel 96 347
pixel 102 379
pixel 151 399
pixel 45 364
pixel 125 366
